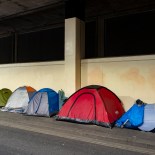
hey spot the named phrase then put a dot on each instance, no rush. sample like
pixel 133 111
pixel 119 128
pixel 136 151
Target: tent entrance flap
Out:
pixel 86 104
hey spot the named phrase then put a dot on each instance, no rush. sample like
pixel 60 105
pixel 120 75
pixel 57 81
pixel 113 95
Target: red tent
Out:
pixel 92 104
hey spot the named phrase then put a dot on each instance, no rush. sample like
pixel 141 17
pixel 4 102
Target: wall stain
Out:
pixel 133 75
pixel 151 78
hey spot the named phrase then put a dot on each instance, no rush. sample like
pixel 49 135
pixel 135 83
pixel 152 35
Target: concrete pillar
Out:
pixel 74 50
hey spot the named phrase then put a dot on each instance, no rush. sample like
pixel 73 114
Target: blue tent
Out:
pixel 133 117
pixel 45 102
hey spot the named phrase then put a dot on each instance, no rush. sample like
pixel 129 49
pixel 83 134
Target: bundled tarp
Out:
pixel 92 104
pixel 19 99
pixel 45 102
pixel 5 93
pixel 62 98
pixel 149 118
pixel 134 117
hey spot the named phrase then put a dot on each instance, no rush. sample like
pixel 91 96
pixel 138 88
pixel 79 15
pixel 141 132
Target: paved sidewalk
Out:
pixel 127 139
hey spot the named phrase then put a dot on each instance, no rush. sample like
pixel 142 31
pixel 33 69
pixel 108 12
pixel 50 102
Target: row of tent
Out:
pixel 92 104
pixel 45 102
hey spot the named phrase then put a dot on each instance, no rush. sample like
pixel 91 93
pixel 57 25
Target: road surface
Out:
pixel 20 142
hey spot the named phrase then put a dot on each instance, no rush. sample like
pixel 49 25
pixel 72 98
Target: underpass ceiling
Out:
pixel 14 7
pixel 21 15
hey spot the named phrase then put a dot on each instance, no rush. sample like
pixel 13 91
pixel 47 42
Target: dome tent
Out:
pixel 19 99
pixel 45 102
pixel 149 118
pixel 92 104
pixel 4 96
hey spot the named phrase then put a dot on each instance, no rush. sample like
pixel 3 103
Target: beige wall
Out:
pixel 129 77
pixel 37 75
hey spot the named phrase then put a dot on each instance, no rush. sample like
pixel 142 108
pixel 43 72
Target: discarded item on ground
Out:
pixel 19 99
pixel 62 98
pixel 92 104
pixel 4 96
pixel 133 118
pixel 45 102
pixel 149 118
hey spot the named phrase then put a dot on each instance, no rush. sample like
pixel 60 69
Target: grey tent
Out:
pixel 45 102
pixel 149 118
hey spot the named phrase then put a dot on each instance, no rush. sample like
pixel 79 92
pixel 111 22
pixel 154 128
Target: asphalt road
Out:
pixel 20 142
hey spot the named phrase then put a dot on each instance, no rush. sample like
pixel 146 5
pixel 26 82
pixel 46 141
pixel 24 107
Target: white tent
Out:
pixel 19 99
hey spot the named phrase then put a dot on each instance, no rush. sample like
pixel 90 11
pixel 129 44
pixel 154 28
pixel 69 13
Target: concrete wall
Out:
pixel 129 77
pixel 37 75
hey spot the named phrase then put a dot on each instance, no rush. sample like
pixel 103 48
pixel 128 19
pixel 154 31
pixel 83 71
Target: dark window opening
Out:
pixel 130 35
pixel 6 53
pixel 91 40
pixel 45 45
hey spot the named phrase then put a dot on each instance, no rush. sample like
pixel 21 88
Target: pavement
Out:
pixel 125 139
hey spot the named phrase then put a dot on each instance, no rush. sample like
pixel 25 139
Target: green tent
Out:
pixel 4 96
